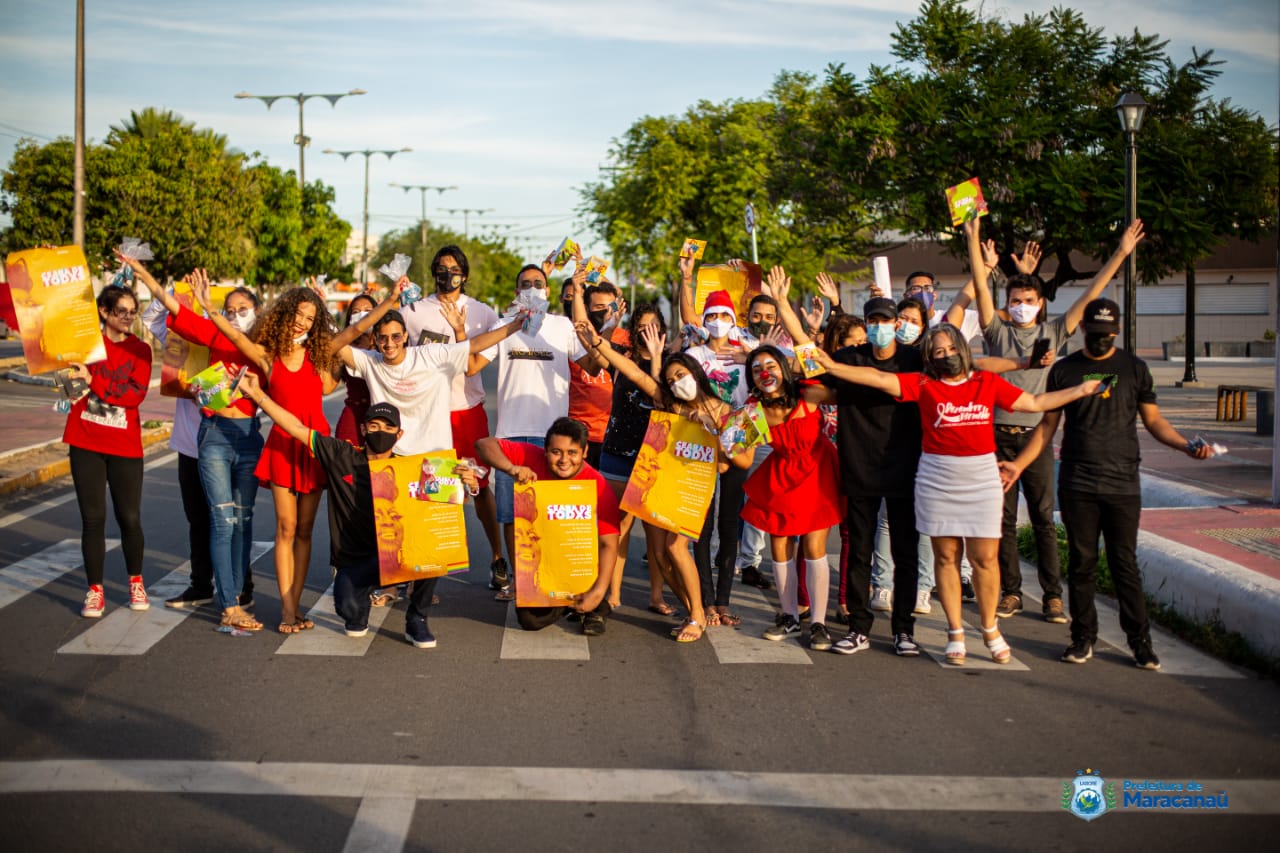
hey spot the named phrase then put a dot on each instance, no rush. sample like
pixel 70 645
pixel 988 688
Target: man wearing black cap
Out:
pixel 1098 488
pixel 353 543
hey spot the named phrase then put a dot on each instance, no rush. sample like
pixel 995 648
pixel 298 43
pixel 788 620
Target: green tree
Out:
pixel 37 193
pixel 278 238
pixel 493 265
pixel 324 233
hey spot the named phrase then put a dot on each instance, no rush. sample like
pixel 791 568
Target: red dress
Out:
pixel 284 461
pixel 797 489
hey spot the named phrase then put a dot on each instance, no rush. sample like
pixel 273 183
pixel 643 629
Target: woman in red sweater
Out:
pixel 106 447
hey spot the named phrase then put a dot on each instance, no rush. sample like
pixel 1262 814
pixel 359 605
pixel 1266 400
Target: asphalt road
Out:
pixel 152 731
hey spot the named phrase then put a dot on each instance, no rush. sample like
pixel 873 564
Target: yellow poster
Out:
pixel 557 542
pixel 674 478
pixel 183 359
pixel 743 286
pixel 417 538
pixel 53 301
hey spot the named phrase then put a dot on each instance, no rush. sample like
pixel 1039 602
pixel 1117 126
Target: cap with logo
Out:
pixel 880 307
pixel 1102 317
pixel 383 412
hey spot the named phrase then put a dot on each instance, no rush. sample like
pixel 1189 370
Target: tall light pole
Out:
pixel 1131 108
pixel 301 140
pixel 466 216
pixel 367 152
pixel 77 180
pixel 422 189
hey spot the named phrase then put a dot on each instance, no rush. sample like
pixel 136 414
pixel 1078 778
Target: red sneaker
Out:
pixel 94 603
pixel 137 594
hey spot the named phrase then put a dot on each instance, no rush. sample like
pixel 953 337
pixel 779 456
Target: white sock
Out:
pixel 819 578
pixel 788 587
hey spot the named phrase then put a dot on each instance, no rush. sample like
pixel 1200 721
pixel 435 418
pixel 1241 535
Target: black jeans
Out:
pixel 724 516
pixel 903 542
pixel 1085 515
pixel 537 618
pixel 92 473
pixel 1036 483
pixel 352 586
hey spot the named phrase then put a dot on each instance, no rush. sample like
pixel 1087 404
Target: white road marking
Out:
pixel 41 568
pixel 561 641
pixel 329 636
pixel 381 825
pixel 128 632
pixel 698 787
pixel 746 643
pixel 32 511
pixel 931 635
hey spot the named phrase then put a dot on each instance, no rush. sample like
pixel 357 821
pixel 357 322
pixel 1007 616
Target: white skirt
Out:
pixel 959 496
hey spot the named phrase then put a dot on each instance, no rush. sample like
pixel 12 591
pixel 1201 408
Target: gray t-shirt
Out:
pixel 1009 341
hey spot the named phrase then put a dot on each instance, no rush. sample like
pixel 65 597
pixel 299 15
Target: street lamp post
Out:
pixel 1131 108
pixel 301 140
pixel 422 189
pixel 367 153
pixel 466 216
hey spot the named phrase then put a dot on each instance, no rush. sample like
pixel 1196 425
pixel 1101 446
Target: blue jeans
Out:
pixel 752 541
pixel 229 451
pixel 504 486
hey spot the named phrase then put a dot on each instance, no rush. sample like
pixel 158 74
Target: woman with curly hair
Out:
pixel 296 348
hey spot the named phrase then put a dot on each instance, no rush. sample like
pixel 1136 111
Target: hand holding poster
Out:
pixel 596 268
pixel 215 389
pixel 674 476
pixel 563 253
pixel 693 249
pixel 806 354
pixel 557 542
pixel 439 481
pixel 743 285
pixel 744 429
pixel 966 201
pixel 54 305
pixel 417 539
pixel 182 359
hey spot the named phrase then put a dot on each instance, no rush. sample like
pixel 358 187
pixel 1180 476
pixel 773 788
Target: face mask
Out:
pixel 927 298
pixel 1023 314
pixel 880 335
pixel 685 388
pixel 599 323
pixel 243 322
pixel 447 282
pixel 301 339
pixel 908 333
pixel 948 366
pixel 357 317
pixel 718 328
pixel 759 329
pixel 1099 345
pixel 379 442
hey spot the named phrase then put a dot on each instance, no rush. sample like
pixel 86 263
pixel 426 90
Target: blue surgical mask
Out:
pixel 909 332
pixel 880 335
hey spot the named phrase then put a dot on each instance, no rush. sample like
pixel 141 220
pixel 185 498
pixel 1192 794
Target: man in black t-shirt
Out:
pixel 352 533
pixel 1098 486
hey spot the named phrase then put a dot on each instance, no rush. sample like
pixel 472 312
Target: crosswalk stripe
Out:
pixel 931 636
pixel 381 825
pixel 329 636
pixel 561 641
pixel 129 632
pixel 42 568
pixel 746 643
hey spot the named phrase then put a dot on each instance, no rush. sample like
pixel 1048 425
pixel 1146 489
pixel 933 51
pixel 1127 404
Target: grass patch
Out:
pixel 1211 636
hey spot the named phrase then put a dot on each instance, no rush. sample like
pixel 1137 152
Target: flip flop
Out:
pixel 302 623
pixel 662 609
pixel 288 628
pixel 680 637
pixel 727 619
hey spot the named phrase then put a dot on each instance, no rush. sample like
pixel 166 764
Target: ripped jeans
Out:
pixel 229 451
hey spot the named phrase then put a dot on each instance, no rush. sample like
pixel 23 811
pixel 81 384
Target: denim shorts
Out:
pixel 616 468
pixel 504 486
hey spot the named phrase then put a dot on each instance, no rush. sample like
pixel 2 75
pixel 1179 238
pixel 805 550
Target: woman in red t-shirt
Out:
pixel 106 447
pixel 958 493
pixel 347 427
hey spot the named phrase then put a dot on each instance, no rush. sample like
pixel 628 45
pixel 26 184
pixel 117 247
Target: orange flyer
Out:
pixel 557 542
pixel 54 304
pixel 966 202
pixel 674 477
pixel 417 539
pixel 743 286
pixel 182 359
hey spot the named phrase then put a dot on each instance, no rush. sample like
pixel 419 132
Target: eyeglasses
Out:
pixel 238 312
pixel 531 284
pixel 124 314
pixel 920 288
pixel 389 339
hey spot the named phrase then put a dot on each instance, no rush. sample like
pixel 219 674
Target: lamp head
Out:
pixel 1131 108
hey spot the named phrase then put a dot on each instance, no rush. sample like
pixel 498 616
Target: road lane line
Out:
pixel 32 511
pixel 697 787
pixel 128 632
pixel 381 825
pixel 42 568
pixel 329 636
pixel 561 641
pixel 746 643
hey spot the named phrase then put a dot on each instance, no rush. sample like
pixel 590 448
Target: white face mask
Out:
pixel 909 332
pixel 718 327
pixel 1023 313
pixel 685 388
pixel 243 322
pixel 357 317
pixel 300 340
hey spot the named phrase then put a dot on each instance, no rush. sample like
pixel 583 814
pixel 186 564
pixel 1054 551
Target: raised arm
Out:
pixel 1051 400
pixel 778 285
pixel 1128 242
pixel 355 330
pixel 978 265
pixel 251 388
pixel 253 352
pixel 687 313
pixel 482 342
pixel 628 368
pixel 869 376
pixel 167 299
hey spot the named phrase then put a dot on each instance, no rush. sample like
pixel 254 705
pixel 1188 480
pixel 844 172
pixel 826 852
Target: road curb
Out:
pixel 44 473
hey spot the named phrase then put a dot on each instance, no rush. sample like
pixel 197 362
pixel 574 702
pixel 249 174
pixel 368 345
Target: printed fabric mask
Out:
pixel 447 282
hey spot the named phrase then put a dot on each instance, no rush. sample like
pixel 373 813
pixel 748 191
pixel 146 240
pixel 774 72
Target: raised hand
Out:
pixel 198 279
pixel 1029 260
pixel 455 315
pixel 777 336
pixel 813 314
pixel 1132 236
pixel 587 334
pixel 828 287
pixel 686 270
pixel 777 284
pixel 654 342
pixel 990 257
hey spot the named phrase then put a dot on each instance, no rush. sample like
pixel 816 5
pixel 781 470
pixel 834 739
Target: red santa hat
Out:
pixel 718 301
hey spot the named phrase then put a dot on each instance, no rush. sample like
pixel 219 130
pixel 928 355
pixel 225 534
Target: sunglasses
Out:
pixel 389 339
pixel 124 314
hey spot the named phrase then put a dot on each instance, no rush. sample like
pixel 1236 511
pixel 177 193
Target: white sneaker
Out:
pixel 882 599
pixel 922 602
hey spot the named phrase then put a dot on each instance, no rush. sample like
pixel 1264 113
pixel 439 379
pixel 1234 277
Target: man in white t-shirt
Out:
pixel 450 316
pixel 533 389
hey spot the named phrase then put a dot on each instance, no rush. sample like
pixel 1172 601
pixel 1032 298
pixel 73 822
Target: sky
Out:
pixel 515 102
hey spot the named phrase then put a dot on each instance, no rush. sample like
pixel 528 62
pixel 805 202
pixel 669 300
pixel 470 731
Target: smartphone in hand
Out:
pixel 1038 352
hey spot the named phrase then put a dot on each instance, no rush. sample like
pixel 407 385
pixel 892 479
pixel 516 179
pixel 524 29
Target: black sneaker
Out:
pixel 785 626
pixel 751 577
pixel 499 573
pixel 1078 652
pixel 190 598
pixel 592 624
pixel 851 643
pixel 819 639
pixel 416 632
pixel 966 590
pixel 1144 657
pixel 904 646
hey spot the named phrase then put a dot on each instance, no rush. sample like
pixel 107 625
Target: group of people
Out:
pixel 906 436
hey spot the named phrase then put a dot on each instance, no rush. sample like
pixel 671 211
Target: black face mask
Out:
pixel 760 328
pixel 379 442
pixel 949 366
pixel 1099 345
pixel 448 281
pixel 597 318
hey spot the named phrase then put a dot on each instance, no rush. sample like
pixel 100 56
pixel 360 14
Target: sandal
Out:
pixel 385 598
pixel 955 650
pixel 712 617
pixel 662 609
pixel 302 623
pixel 999 648
pixel 288 627
pixel 727 619
pixel 505 594
pixel 683 635
pixel 240 622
